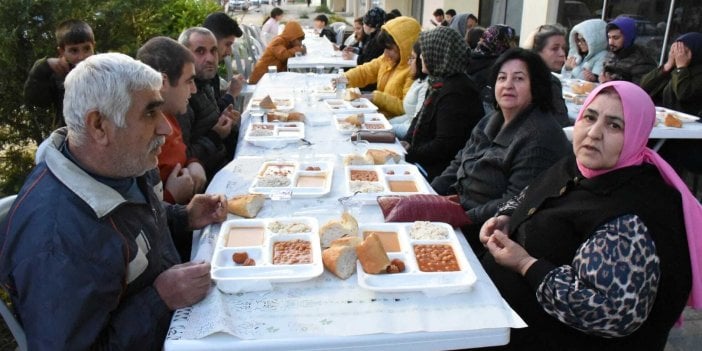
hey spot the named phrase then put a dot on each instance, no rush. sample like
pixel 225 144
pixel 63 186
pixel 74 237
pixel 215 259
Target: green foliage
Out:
pixel 27 34
pixel 323 9
pixel 336 18
pixel 304 15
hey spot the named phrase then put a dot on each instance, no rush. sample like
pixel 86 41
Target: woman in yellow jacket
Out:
pixel 391 70
pixel 279 50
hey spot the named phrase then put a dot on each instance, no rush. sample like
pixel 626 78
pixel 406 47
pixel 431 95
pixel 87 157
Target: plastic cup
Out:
pixel 272 69
pixel 320 69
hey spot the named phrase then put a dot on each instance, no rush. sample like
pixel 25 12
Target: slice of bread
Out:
pixel 355 119
pixel 358 160
pixel 372 255
pixel 351 94
pixel 267 103
pixel 340 260
pixel 246 205
pixel 338 228
pixel 381 157
pixel 672 121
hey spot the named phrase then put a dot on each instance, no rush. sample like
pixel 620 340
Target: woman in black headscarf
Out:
pixel 495 40
pixel 452 106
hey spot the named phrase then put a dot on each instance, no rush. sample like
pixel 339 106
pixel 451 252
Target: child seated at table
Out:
pixel 321 26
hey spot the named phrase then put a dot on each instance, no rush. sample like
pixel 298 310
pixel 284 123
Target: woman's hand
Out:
pixel 683 55
pixel 500 223
pixel 570 63
pixel 508 253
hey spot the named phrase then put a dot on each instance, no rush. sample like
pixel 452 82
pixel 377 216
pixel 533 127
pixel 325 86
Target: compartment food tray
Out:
pixel 683 117
pixel 282 103
pixel 371 121
pixel 414 279
pixel 391 180
pixel 231 277
pixel 355 106
pixel 302 178
pixel 274 135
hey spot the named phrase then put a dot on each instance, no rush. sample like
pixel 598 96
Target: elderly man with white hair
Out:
pixel 87 256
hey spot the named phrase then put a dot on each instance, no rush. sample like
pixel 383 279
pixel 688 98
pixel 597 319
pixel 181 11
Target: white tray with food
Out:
pixel 356 106
pixel 274 135
pixel 324 92
pixel 269 103
pixel 662 113
pixel 373 181
pixel 347 123
pixel 278 116
pixel 250 254
pixel 419 256
pixel 302 179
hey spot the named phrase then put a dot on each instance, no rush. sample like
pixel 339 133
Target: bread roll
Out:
pixel 352 94
pixel 335 229
pixel 381 157
pixel 267 103
pixel 358 160
pixel 372 255
pixel 246 205
pixel 356 119
pixel 296 117
pixel 340 258
pixel 672 121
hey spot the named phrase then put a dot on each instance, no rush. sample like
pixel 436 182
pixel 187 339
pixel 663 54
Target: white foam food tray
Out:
pixel 371 121
pixel 282 103
pixel 380 180
pixel 414 278
pixel 258 238
pixel 683 117
pixel 355 106
pixel 274 135
pixel 304 179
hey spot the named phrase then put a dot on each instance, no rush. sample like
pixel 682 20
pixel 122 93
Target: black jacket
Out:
pixel 444 123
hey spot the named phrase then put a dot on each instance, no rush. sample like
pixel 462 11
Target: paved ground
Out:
pixel 687 338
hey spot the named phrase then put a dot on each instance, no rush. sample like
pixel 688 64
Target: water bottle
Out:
pixel 340 84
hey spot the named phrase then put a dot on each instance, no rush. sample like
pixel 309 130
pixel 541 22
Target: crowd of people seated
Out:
pixel 594 243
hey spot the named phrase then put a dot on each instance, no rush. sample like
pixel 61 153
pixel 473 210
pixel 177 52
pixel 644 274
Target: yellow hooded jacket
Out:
pixel 393 81
pixel 278 51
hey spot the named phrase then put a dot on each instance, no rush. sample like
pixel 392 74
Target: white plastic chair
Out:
pixel 7 314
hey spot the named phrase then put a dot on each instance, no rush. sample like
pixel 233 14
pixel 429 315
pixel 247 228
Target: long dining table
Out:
pixel 320 53
pixel 660 133
pixel 325 312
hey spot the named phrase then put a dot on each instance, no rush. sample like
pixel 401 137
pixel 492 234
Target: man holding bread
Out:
pixel 87 256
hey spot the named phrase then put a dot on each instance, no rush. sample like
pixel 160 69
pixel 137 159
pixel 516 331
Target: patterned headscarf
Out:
pixel 693 41
pixel 639 117
pixel 375 17
pixel 496 39
pixel 445 53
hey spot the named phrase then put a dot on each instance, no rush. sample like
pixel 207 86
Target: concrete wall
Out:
pixel 404 6
pixel 536 13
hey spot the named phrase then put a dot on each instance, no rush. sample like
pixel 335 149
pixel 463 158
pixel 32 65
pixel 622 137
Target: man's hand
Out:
pixel 683 56
pixel 223 126
pixel 500 223
pixel 232 114
pixel 180 184
pixel 236 85
pixel 589 76
pixel 508 253
pixel 206 209
pixel 197 173
pixel 183 284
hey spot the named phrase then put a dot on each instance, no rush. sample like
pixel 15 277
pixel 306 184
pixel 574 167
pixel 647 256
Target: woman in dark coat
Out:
pixel 594 254
pixel 452 106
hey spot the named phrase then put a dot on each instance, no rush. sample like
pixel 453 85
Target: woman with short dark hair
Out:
pixel 509 147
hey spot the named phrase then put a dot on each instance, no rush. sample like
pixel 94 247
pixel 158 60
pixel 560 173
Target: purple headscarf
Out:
pixel 639 117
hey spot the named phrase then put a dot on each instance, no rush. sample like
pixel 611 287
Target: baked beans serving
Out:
pixel 359 174
pixel 292 252
pixel 436 258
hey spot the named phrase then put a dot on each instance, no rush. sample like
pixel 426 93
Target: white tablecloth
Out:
pixel 320 52
pixel 326 312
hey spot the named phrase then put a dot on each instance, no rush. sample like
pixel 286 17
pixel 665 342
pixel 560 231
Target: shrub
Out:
pixel 27 34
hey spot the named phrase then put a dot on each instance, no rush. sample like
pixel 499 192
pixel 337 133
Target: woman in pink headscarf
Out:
pixel 595 255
